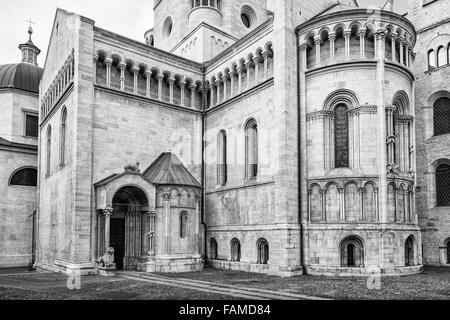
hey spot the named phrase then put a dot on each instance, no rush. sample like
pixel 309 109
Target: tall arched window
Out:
pixel 62 147
pixel 263 251
pixel 213 249
pixel 443 185
pixel 24 177
pixel 431 59
pixel 251 150
pixel 441 116
pixel 341 136
pixel 183 224
pixel 409 251
pixel 352 252
pixel 48 150
pixel 235 250
pixel 441 57
pixel 222 158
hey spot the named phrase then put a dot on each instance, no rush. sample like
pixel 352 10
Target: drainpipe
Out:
pixel 33 241
pixel 204 102
pixel 299 161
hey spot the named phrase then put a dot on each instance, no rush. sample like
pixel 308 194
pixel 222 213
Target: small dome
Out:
pixel 23 76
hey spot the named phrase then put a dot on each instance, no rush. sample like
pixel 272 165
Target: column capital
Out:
pixel 135 70
pixel 265 54
pixel 381 34
pixel 394 37
pixel 239 69
pixel 122 65
pixel 148 73
pixel 317 39
pixel 231 73
pixel 183 83
pixel 332 36
pixel 402 40
pixel 172 80
pixel 151 214
pixel 347 33
pixel 107 212
pixel 225 77
pixel 159 77
pixel 95 57
pixel 192 86
pixel 218 82
pixel 108 61
pixel 166 196
pixel 256 60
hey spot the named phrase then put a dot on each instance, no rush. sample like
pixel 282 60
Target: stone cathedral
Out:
pixel 308 138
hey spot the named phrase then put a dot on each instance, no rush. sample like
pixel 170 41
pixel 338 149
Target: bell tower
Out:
pixel 29 51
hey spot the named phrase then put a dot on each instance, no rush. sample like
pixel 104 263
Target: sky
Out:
pixel 129 18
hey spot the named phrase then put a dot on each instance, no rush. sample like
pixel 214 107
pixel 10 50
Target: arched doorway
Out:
pixel 409 251
pixel 352 252
pixel 128 226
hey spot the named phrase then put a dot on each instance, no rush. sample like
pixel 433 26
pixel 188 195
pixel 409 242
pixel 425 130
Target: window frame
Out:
pixel 251 170
pixel 438 203
pixel 22 185
pixel 30 113
pixel 435 134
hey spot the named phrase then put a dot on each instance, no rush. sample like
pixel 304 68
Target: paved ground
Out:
pixel 212 284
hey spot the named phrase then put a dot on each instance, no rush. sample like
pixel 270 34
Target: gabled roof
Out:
pixel 168 170
pixel 335 7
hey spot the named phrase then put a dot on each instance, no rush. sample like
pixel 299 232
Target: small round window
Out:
pixel 167 27
pixel 248 16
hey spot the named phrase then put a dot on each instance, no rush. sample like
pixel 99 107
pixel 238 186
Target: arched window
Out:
pixel 62 147
pixel 341 136
pixel 441 116
pixel 24 177
pixel 431 59
pixel 441 57
pixel 183 224
pixel 222 158
pixel 263 251
pixel 352 252
pixel 48 150
pixel 409 251
pixel 235 250
pixel 213 249
pixel 443 185
pixel 251 150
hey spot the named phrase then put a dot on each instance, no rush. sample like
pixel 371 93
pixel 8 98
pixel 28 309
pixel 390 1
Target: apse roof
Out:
pixel 168 170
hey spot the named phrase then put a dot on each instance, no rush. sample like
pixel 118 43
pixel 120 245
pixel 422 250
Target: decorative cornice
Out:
pixel 322 114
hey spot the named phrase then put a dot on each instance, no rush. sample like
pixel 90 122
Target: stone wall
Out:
pixel 433 31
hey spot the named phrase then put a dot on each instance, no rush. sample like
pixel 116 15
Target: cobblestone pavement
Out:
pixel 212 284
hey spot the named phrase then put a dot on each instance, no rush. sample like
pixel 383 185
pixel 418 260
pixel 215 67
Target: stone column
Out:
pixel 211 88
pixel 231 74
pixel 108 63
pixel 148 77
pixel 323 203
pixel 166 220
pixel 382 154
pixel 95 71
pixel 361 203
pixel 265 55
pixel 218 91
pixel 256 61
pixel 224 80
pixel 107 213
pixel 122 67
pixel 135 71
pixel 317 41
pixel 182 89
pixel 193 87
pixel 394 48
pixel 247 67
pixel 362 42
pixel 171 84
pixel 332 38
pixel 309 204
pixel 347 34
pixel 160 78
pixel 239 72
pixel 402 44
pixel 342 204
pixel 151 233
